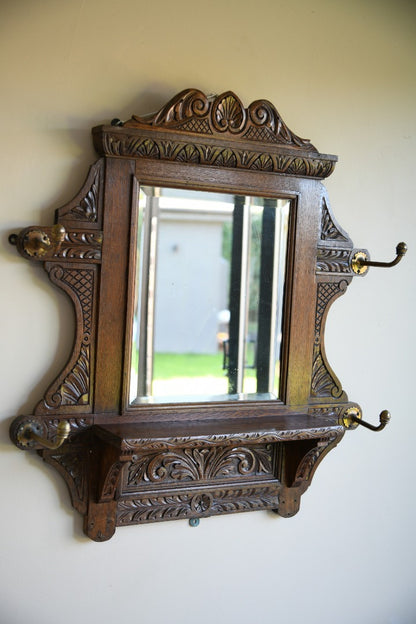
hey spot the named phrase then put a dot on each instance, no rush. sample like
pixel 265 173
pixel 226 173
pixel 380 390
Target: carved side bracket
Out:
pixel 72 390
pixel 71 253
pixel 296 475
pixel 325 384
pixel 334 273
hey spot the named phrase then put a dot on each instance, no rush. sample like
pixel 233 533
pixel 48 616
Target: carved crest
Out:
pixel 193 111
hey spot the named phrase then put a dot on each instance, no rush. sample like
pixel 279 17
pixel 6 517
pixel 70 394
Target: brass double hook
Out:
pixel 360 261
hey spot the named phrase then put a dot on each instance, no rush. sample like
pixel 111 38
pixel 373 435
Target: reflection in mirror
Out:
pixel 208 296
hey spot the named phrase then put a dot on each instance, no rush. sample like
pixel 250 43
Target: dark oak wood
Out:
pixel 130 463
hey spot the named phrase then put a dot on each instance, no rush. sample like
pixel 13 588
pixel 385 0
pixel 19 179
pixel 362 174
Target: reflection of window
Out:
pixel 200 273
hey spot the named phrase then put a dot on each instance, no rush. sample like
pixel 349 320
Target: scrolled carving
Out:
pixel 196 464
pixel 186 104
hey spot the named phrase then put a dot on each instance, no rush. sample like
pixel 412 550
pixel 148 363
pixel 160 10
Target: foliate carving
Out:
pixel 189 504
pixel 324 382
pixel 329 229
pixel 85 206
pixel 235 439
pixel 81 245
pixel 73 386
pixel 133 146
pixel 333 260
pixel 196 464
pixel 74 390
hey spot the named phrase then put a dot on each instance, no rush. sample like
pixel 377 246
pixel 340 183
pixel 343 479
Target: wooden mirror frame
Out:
pixel 130 464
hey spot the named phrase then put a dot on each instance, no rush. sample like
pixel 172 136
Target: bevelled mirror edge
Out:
pixel 200 289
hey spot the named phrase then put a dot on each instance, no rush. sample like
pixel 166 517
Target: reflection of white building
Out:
pixel 191 279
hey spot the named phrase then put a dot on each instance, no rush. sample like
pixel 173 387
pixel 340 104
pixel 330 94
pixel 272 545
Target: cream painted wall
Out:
pixel 342 73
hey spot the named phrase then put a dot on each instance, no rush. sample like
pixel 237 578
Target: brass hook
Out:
pixel 360 262
pixel 27 435
pixel 353 415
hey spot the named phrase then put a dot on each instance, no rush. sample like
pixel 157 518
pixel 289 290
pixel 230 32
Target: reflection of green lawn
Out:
pixel 192 373
pixel 170 365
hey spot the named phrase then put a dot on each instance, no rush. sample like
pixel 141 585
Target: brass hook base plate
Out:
pixel 357 267
pixel 347 420
pixel 23 434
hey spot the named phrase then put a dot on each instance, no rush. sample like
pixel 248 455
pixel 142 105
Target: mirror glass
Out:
pixel 208 298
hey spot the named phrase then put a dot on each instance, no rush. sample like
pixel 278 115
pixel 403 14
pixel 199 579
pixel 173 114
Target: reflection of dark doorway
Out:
pixel 253 294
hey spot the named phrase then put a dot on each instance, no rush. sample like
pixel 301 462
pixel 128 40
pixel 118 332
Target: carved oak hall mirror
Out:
pixel 201 257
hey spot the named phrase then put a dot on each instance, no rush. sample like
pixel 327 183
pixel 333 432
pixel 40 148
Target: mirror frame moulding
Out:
pixel 127 464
